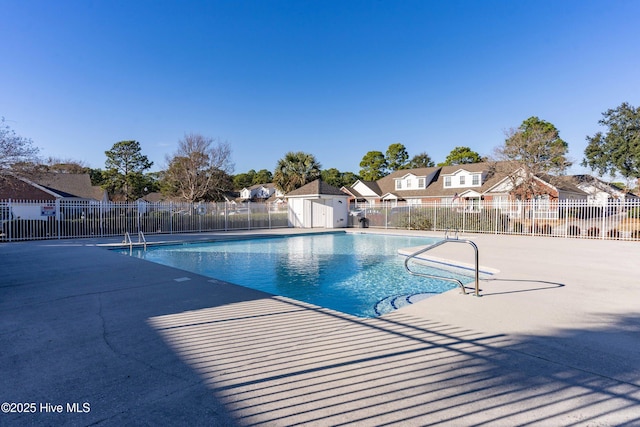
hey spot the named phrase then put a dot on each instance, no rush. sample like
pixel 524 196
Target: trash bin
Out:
pixel 364 222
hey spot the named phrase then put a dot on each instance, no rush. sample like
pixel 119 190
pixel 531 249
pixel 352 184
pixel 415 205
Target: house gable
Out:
pixel 390 196
pixel 463 178
pixel 411 181
pixel 366 189
pixel 478 176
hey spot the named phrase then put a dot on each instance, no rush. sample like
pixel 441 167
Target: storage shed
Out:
pixel 318 205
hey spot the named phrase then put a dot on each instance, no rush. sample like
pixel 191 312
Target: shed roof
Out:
pixel 317 187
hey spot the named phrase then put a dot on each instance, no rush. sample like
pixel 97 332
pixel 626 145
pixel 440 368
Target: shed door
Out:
pixel 319 214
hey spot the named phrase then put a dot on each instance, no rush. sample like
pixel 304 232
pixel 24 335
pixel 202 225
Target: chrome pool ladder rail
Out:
pixel 449 279
pixel 446 234
pixel 141 239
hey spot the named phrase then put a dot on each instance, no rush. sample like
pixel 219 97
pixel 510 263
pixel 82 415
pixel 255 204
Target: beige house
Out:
pixel 465 184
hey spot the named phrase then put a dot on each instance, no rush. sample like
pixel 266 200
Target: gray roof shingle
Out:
pixel 316 187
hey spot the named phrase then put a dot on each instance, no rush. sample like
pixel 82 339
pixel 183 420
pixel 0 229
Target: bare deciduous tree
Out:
pixel 67 165
pixel 18 155
pixel 534 149
pixel 199 170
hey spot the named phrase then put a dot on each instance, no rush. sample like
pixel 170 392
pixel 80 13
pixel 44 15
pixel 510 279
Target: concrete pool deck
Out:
pixel 553 340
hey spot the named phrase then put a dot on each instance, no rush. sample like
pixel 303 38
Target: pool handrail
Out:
pixel 432 276
pixel 141 239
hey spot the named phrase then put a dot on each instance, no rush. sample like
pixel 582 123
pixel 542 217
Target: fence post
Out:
pixel 10 223
pixel 435 215
pixel 566 217
pixel 102 218
pixel 58 215
pixel 226 217
pixel 464 218
pixel 386 217
pixel 138 215
pixel 604 221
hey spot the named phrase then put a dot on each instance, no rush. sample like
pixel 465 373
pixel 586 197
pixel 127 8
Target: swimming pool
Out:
pixel 359 274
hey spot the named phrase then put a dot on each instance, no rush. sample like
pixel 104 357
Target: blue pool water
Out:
pixel 359 274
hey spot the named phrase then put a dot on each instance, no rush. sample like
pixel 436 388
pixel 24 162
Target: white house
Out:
pixel 600 193
pixel 260 192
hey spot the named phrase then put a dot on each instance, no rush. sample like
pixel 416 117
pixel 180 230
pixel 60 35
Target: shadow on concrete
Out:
pixel 531 285
pixel 73 330
pixel 306 366
pixel 152 345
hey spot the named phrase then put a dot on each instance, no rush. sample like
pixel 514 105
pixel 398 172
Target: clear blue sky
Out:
pixel 332 78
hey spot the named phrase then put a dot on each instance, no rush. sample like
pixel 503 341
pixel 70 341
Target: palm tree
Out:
pixel 295 170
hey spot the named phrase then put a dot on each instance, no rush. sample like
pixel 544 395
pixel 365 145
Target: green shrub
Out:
pixel 413 221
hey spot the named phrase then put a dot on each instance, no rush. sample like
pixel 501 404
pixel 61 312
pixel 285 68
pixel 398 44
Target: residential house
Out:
pixel 261 193
pixel 462 185
pixel 50 189
pixel 52 186
pixel 363 192
pixel 14 188
pixel 542 206
pixel 601 193
pixel 422 185
pixel 153 197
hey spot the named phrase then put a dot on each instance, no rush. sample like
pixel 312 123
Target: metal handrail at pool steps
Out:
pixel 432 276
pixel 141 241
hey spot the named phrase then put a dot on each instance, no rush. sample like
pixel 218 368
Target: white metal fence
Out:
pixel 59 219
pixel 618 220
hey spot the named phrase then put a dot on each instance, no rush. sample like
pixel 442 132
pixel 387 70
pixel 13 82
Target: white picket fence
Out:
pixel 619 220
pixel 59 219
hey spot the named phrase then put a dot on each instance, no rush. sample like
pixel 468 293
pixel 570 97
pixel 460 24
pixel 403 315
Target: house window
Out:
pixel 462 180
pixel 408 185
pixel 475 180
pixel 421 183
pixel 447 181
pixel 398 185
